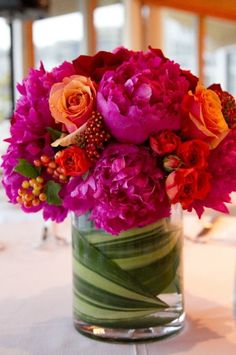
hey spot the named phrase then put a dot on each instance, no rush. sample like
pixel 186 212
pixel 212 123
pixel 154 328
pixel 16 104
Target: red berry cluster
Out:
pixel 93 138
pixel 228 107
pixel 52 168
pixel 31 194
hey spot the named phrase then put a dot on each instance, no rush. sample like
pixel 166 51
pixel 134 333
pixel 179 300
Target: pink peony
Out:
pixel 125 190
pixel 29 136
pixel 142 97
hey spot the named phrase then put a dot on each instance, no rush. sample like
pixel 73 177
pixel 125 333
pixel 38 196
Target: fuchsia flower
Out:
pixel 142 97
pixel 124 190
pixel 29 135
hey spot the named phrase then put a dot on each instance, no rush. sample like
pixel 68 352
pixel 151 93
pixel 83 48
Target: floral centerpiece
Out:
pixel 119 138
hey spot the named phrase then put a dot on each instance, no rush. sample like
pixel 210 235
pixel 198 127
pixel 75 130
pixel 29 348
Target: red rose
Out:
pixel 73 161
pixel 194 153
pixel 186 185
pixel 181 186
pixel 164 142
pixel 95 66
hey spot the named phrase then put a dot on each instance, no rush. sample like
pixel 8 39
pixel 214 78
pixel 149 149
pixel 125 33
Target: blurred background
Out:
pixel 200 35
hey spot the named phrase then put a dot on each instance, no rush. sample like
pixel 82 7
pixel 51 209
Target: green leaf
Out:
pixel 52 190
pixel 26 169
pixel 54 133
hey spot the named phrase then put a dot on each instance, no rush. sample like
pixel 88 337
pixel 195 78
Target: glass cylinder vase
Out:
pixel 128 287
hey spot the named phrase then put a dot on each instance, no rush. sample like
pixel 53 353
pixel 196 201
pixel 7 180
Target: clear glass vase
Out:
pixel 128 287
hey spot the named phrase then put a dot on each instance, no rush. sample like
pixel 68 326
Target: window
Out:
pixel 5 91
pixel 220 53
pixel 109 23
pixel 57 39
pixel 180 38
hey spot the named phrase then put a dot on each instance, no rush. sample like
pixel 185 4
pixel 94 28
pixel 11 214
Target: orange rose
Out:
pixel 72 101
pixel 204 118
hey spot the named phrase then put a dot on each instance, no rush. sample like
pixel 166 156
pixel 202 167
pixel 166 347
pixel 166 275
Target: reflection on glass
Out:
pixel 5 95
pixel 180 38
pixel 109 23
pixel 57 39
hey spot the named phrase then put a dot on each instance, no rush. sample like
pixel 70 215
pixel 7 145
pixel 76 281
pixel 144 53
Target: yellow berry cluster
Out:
pixel 31 192
pixel 52 168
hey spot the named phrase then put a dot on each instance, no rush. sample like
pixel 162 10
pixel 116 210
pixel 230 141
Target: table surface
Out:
pixel 36 300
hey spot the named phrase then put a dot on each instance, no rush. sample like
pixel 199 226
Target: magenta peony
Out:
pixel 29 135
pixel 125 190
pixel 142 97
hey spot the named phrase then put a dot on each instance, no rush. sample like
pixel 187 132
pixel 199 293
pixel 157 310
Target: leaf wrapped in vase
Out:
pixel 125 141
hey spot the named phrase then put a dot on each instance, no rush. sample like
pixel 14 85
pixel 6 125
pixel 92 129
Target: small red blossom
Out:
pixel 194 153
pixel 73 161
pixel 172 162
pixel 164 142
pixel 186 185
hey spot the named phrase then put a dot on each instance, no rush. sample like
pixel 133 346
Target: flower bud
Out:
pixel 171 163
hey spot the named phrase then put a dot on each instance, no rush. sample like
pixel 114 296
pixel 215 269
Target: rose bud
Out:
pixel 171 163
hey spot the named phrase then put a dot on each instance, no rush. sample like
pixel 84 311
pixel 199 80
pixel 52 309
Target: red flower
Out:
pixel 186 185
pixel 73 161
pixel 192 79
pixel 194 153
pixel 164 142
pixel 95 66
pixel 203 184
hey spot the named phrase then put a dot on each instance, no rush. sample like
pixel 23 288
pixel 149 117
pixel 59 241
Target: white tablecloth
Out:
pixel 36 301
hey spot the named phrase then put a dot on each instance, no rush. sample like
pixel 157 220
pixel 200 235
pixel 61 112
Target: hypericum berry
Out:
pixel 42 197
pixel 28 197
pixel 45 159
pixel 52 165
pixel 94 137
pixel 31 192
pixel 25 184
pixel 35 202
pixel 39 179
pixel 32 182
pixel 37 163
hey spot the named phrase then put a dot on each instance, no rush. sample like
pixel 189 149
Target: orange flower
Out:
pixel 204 118
pixel 73 161
pixel 72 101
